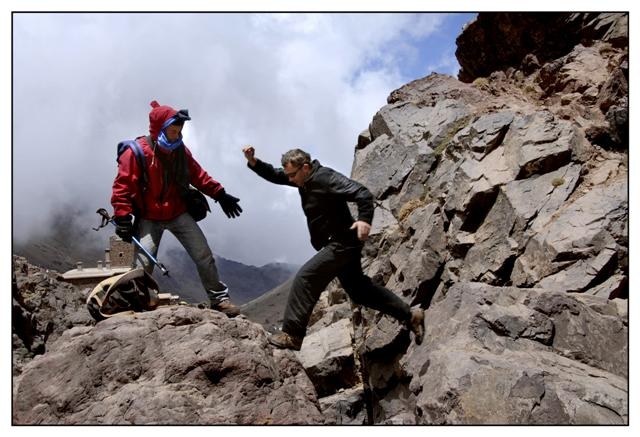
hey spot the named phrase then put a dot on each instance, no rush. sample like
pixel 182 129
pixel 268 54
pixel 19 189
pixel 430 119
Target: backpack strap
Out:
pixel 139 154
pixel 135 146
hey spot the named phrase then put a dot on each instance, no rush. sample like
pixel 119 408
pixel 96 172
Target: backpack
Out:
pixel 134 291
pixel 197 205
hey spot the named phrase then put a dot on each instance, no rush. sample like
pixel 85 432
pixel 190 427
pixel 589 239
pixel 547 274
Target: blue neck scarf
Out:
pixel 162 138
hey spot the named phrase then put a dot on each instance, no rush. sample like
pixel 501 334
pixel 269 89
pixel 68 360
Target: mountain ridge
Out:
pixel 57 251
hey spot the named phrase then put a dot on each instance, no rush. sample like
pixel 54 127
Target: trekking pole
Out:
pixel 106 219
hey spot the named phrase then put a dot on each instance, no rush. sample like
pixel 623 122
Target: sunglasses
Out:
pixel 292 174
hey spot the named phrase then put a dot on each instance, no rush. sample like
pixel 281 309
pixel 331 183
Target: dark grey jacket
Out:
pixel 324 199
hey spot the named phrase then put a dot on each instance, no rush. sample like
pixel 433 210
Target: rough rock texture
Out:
pixel 497 41
pixel 518 184
pixel 42 309
pixel 346 407
pixel 175 365
pixel 497 355
pixel 327 356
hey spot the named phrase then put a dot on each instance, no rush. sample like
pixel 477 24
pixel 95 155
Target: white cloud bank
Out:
pixel 83 82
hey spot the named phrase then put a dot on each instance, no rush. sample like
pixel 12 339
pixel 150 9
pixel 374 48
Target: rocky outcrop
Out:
pixel 175 365
pixel 497 355
pixel 42 309
pixel 503 195
pixel 498 41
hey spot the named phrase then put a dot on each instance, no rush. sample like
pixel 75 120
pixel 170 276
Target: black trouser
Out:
pixel 312 279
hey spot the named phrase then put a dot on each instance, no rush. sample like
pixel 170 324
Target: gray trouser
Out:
pixel 344 262
pixel 189 234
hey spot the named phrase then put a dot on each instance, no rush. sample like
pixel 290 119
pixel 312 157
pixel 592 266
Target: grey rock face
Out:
pixel 327 356
pixel 497 355
pixel 347 407
pixel 42 309
pixel 175 365
pixel 519 179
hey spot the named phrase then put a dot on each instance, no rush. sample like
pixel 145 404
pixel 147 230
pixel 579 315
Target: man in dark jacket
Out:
pixel 339 240
pixel 155 195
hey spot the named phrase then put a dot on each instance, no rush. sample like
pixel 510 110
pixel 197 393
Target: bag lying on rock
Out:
pixel 134 291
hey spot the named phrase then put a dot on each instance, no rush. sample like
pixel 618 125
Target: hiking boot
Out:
pixel 226 307
pixel 286 341
pixel 416 324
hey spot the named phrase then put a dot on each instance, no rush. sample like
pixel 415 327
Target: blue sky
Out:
pixel 273 80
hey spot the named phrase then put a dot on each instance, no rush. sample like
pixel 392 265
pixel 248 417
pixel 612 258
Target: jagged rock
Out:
pixel 333 313
pixel 529 188
pixel 418 260
pixel 347 407
pixel 615 88
pixel 581 275
pixel 404 133
pixel 174 365
pixel 414 191
pixel 609 27
pixel 430 90
pixel 536 199
pixel 520 205
pixel 581 229
pixel 539 143
pixel 486 133
pixel 611 288
pixel 496 355
pixel 497 41
pixel 618 118
pixel 383 219
pixel 581 70
pixel 327 356
pixel 42 309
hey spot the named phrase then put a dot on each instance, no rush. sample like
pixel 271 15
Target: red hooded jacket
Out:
pixel 155 204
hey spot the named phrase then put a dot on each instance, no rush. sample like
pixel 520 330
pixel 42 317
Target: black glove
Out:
pixel 229 204
pixel 124 227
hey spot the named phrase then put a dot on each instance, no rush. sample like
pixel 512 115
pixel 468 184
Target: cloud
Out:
pixel 83 82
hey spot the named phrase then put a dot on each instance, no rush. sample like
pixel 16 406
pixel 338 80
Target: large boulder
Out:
pixel 517 179
pixel 42 309
pixel 174 365
pixel 502 355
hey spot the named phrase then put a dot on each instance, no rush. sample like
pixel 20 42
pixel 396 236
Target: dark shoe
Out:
pixel 416 324
pixel 227 308
pixel 286 341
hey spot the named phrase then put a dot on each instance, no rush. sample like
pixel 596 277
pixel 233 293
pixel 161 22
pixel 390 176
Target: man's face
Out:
pixel 297 174
pixel 173 132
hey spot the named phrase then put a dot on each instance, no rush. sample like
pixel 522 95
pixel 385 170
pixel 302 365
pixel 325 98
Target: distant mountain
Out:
pixel 67 243
pixel 245 282
pixel 268 309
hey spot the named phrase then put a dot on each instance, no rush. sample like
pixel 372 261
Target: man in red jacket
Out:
pixel 155 196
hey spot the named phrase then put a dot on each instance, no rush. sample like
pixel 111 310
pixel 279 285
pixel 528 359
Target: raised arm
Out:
pixel 265 170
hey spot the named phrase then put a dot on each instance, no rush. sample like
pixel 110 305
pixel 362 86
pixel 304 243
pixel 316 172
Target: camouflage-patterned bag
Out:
pixel 134 291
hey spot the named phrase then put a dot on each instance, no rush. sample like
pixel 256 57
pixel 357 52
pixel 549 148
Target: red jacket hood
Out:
pixel 158 115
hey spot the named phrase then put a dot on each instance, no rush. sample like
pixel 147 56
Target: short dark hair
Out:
pixel 297 157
